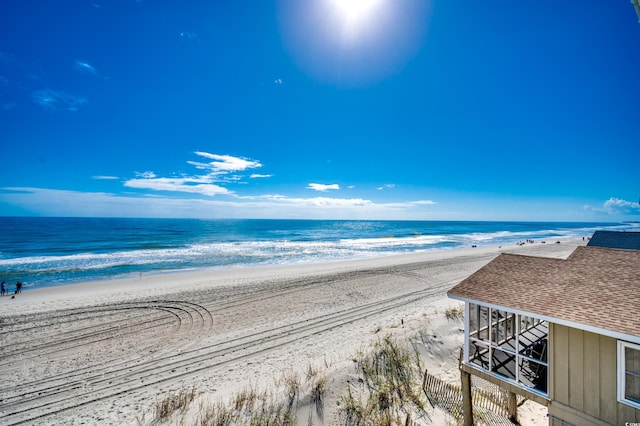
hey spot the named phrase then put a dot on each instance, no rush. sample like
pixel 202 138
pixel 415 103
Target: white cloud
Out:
pixel 323 187
pixel 223 169
pixel 195 185
pixel 616 205
pixel 145 175
pixel 316 201
pixel 225 163
pixel 259 176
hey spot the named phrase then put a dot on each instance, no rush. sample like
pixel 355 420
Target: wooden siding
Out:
pixel 583 379
pixel 576 369
pixel 608 390
pixel 559 363
pixel 591 375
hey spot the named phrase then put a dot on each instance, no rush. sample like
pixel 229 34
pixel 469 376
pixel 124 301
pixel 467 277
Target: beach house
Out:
pixel 615 239
pixel 562 332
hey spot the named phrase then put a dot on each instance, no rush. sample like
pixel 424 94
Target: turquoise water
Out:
pixel 54 251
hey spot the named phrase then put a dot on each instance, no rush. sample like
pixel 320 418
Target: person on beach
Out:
pixel 4 288
pixel 18 287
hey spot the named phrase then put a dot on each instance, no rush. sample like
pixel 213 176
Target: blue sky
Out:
pixel 332 109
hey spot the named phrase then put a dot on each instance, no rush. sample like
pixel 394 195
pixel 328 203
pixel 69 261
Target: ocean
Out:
pixel 43 252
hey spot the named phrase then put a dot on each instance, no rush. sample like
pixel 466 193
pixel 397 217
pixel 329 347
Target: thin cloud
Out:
pixel 423 203
pixel 387 186
pixel 7 58
pixel 102 177
pixel 53 100
pixel 323 187
pixel 4 83
pixel 336 202
pixel 87 68
pixel 22 81
pixel 189 37
pixel 145 175
pixel 316 201
pixel 406 205
pixel 259 176
pixel 189 185
pixel 54 202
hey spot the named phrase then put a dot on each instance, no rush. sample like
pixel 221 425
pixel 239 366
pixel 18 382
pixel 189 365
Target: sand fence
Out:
pixel 490 402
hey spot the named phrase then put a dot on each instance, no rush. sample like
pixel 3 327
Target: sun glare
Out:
pixel 353 42
pixel 356 10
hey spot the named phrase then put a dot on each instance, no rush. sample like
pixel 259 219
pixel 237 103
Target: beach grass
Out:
pixel 391 372
pixel 173 403
pixel 388 392
pixel 454 313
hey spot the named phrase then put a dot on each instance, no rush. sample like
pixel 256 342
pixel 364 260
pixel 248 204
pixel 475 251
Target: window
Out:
pixel 629 373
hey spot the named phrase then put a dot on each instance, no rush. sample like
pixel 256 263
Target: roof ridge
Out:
pixel 533 256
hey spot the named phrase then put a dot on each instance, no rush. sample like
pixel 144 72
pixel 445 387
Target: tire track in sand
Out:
pixel 90 389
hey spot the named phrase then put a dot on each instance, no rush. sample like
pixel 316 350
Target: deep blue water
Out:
pixel 54 251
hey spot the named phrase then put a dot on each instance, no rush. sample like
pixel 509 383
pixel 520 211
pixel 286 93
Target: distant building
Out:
pixel 564 333
pixel 613 239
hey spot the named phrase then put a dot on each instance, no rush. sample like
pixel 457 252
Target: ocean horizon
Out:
pixel 47 251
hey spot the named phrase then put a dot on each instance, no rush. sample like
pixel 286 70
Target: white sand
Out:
pixel 105 352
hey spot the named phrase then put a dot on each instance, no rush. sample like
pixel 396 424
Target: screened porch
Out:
pixel 508 345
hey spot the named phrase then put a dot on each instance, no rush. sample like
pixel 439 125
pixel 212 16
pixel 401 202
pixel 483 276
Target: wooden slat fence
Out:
pixel 490 403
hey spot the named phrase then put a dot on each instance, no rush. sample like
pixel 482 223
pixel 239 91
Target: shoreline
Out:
pixel 134 286
pixel 106 352
pixel 63 258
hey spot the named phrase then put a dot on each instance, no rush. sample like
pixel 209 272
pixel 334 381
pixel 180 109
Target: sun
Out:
pixel 353 43
pixel 355 20
pixel 355 11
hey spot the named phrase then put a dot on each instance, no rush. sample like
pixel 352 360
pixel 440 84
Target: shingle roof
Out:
pixel 597 287
pixel 613 239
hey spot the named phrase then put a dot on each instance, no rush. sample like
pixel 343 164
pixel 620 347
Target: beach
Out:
pixel 105 352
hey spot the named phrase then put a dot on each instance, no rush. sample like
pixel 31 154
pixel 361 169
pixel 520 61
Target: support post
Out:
pixel 512 407
pixel 467 403
pixel 467 407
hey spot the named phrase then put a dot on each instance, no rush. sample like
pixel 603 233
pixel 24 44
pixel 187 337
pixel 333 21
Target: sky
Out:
pixel 321 109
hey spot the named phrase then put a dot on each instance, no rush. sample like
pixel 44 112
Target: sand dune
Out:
pixel 105 352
